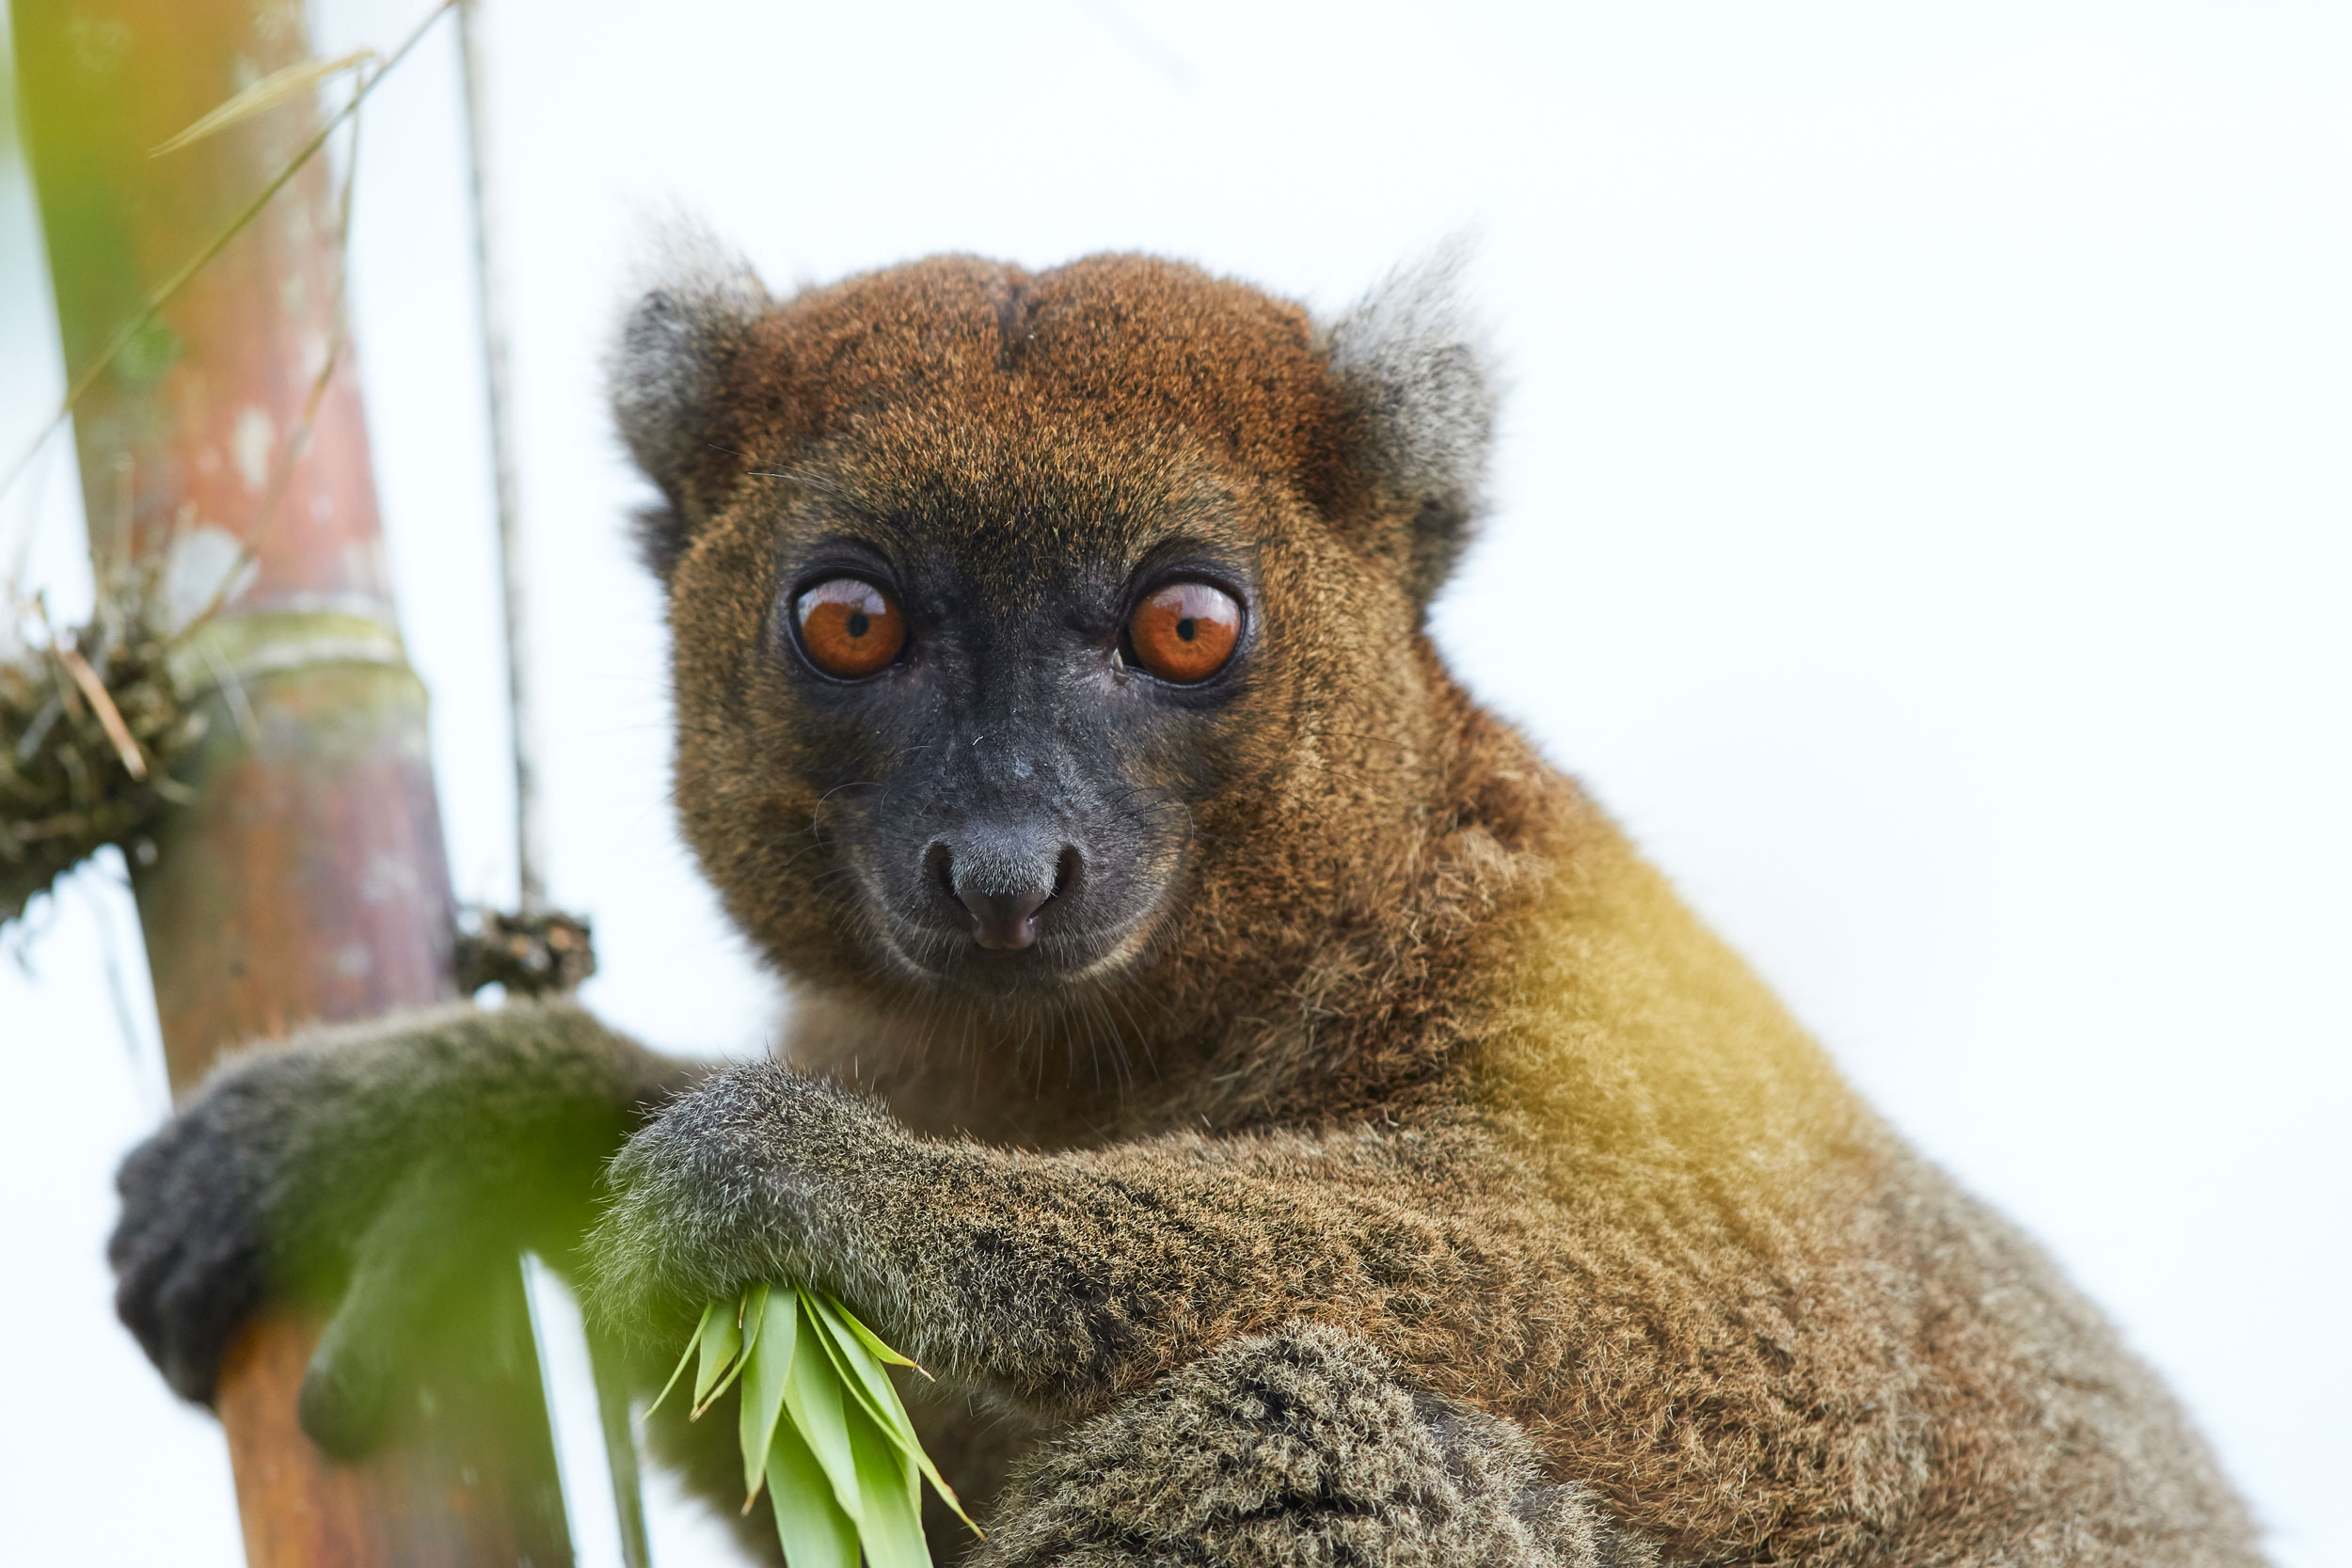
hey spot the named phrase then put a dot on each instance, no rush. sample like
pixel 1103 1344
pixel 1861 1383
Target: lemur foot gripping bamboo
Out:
pixel 822 1426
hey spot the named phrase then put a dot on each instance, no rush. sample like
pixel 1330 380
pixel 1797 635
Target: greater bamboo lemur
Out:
pixel 1287 1116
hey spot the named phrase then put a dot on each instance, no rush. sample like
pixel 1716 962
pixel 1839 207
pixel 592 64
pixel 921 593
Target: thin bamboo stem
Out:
pixel 497 383
pixel 611 1386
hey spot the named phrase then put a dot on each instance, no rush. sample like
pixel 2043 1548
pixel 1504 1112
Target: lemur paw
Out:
pixel 729 1185
pixel 190 1251
pixel 377 1169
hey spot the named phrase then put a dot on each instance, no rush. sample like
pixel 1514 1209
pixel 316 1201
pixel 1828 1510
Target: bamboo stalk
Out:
pixel 611 1386
pixel 307 879
pixel 498 385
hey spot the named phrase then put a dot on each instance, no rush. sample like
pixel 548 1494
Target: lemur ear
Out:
pixel 696 304
pixel 1417 373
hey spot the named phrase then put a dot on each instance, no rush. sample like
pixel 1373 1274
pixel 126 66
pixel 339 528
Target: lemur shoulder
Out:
pixel 1290 1120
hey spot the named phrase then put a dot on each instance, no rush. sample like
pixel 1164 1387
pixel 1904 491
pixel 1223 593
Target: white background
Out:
pixel 1923 516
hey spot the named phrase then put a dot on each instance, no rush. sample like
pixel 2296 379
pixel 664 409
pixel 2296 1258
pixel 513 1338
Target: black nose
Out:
pixel 1003 881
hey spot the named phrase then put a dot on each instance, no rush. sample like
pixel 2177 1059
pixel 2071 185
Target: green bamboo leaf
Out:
pixel 875 1392
pixel 750 1312
pixel 814 1530
pixel 691 1345
pixel 859 1369
pixel 848 1462
pixel 747 1325
pixel 891 1529
pixel 770 1357
pixel 813 1397
pixel 279 86
pixel 723 1345
pixel 872 1340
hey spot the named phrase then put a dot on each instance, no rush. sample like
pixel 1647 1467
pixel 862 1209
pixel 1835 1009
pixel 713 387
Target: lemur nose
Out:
pixel 1004 884
pixel 1004 921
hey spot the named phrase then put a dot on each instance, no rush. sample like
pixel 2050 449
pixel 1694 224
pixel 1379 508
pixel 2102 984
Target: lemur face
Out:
pixel 1012 669
pixel 977 699
pixel 1032 632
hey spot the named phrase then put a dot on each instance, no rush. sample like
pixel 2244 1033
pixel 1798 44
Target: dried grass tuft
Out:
pixel 531 954
pixel 90 727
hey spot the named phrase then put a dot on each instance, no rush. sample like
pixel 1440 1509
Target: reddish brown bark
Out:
pixel 307 881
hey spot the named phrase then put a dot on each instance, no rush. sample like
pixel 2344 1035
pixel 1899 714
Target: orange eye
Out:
pixel 849 628
pixel 1185 632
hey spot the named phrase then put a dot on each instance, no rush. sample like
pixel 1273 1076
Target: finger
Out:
pixel 214 1283
pixel 187 1257
pixel 631 1260
pixel 412 1262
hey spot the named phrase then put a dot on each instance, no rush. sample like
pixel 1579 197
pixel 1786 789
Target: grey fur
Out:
pixel 396 1154
pixel 1420 373
pixel 1301 1448
pixel 695 299
pixel 1055 1281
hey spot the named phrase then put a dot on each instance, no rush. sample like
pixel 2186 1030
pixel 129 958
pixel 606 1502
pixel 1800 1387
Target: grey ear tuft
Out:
pixel 695 302
pixel 1417 371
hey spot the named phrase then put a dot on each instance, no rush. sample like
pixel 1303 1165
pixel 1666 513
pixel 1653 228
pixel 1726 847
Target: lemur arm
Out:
pixel 393 1156
pixel 1052 1281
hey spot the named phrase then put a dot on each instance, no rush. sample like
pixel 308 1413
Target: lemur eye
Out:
pixel 1185 632
pixel 849 628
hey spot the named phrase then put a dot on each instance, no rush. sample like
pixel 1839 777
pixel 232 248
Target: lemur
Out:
pixel 1281 1108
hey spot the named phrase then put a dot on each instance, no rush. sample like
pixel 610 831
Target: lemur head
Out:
pixel 1035 630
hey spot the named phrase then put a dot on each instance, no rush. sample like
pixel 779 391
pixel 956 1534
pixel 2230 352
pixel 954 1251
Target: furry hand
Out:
pixel 755 1175
pixel 248 1193
pixel 382 1168
pixel 190 1252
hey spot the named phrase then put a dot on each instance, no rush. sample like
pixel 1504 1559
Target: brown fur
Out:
pixel 1414 1055
pixel 1712 1285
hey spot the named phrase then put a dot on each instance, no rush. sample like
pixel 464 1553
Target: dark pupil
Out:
pixel 858 623
pixel 1185 629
